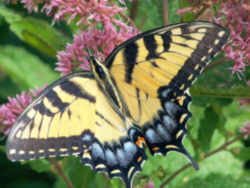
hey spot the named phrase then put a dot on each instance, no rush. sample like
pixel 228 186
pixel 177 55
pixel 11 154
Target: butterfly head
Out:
pixel 98 68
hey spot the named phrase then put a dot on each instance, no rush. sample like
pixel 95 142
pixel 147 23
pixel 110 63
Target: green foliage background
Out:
pixel 28 46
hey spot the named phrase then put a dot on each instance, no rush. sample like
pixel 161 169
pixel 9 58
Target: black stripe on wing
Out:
pixel 206 49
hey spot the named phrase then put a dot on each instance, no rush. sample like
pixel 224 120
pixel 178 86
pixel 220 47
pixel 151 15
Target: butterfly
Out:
pixel 138 98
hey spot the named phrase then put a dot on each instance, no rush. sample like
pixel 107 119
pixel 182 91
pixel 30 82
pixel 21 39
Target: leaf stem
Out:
pixel 176 173
pixel 223 147
pixel 183 168
pixel 60 172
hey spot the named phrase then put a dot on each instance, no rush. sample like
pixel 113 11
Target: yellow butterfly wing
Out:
pixel 55 122
pixel 154 71
pixel 74 117
pixel 170 56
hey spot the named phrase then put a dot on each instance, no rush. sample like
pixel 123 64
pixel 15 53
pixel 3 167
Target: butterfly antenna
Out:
pixel 89 52
pixel 91 56
pixel 185 152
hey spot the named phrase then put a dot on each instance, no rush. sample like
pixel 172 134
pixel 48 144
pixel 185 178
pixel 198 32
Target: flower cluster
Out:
pixel 10 111
pixel 235 15
pixel 91 15
pixel 197 6
pixel 149 184
pixel 102 42
pixel 85 11
pixel 246 129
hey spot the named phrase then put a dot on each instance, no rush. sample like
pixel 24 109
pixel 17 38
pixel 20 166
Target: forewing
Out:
pixel 74 117
pixel 55 122
pixel 170 57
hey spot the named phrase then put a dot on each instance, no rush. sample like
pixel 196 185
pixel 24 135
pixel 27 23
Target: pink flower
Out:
pixel 102 42
pixel 150 184
pixel 184 10
pixel 84 11
pixel 246 129
pixel 122 2
pixel 235 15
pixel 10 111
pixel 31 5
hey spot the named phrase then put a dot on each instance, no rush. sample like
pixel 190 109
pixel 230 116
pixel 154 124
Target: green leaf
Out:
pixel 208 125
pixel 188 16
pixel 41 165
pixel 8 88
pixel 235 116
pixel 116 183
pixel 217 181
pixel 173 6
pixel 29 184
pixel 25 69
pixel 242 153
pixel 219 82
pixel 35 32
pixel 81 175
pixel 153 17
pixel 197 114
pixel 206 100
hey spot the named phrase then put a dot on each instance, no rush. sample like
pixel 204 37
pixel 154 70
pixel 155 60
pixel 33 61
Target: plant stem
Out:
pixel 223 147
pixel 176 173
pixel 128 20
pixel 134 9
pixel 60 172
pixel 182 169
pixel 165 12
pixel 218 62
pixel 200 12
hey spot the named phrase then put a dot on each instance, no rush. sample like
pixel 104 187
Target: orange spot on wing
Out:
pixel 155 148
pixel 139 159
pixel 181 99
pixel 140 142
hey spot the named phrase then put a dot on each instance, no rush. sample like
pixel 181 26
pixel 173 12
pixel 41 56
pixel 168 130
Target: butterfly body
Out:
pixel 137 98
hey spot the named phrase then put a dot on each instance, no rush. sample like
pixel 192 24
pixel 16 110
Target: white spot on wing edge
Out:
pixel 221 33
pixel 216 41
pixel 21 152
pixel 12 151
